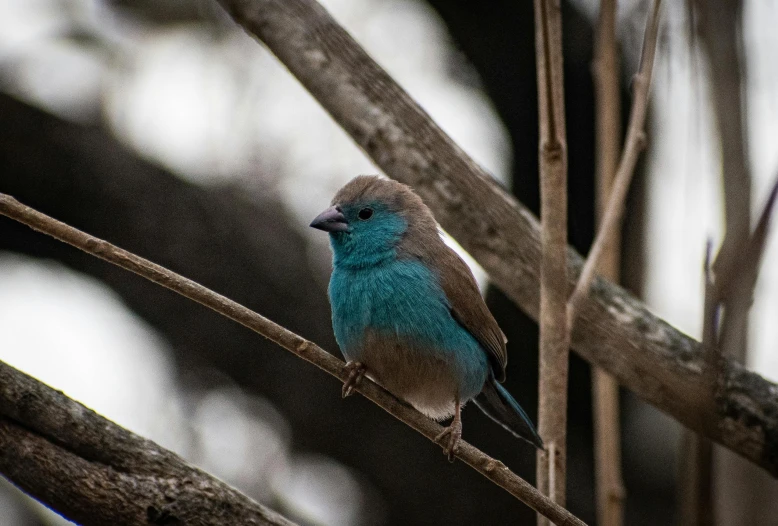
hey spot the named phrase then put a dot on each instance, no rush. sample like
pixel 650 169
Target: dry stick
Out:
pixel 609 484
pixel 718 23
pixel 491 468
pixel 742 272
pixel 720 31
pixel 734 275
pixel 695 484
pixel 634 144
pixel 554 333
pixel 615 331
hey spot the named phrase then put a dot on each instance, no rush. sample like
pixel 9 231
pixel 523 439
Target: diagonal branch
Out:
pixel 492 469
pixel 616 332
pixel 554 331
pixel 634 144
pixel 96 472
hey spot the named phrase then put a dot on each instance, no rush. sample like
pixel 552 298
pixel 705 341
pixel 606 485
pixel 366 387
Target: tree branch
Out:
pixel 616 332
pixel 735 276
pixel 696 482
pixel 554 330
pixel 97 473
pixel 720 30
pixel 610 492
pixel 492 469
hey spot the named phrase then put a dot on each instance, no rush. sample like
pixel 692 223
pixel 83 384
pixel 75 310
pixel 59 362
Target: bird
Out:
pixel 407 311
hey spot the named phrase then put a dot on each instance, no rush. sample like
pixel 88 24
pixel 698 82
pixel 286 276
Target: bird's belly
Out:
pixel 424 379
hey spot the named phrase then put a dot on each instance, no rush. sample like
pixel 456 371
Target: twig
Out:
pixel 610 490
pixel 634 144
pixel 554 333
pixel 615 331
pixel 695 490
pixel 736 275
pixel 717 27
pixel 492 469
pixel 696 484
pixel 720 31
pixel 742 272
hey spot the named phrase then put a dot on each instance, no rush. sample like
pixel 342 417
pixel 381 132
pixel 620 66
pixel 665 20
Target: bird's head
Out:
pixel 370 218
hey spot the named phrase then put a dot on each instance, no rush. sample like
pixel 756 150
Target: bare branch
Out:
pixel 554 333
pixel 696 474
pixel 616 332
pixel 720 32
pixel 736 276
pixel 695 489
pixel 97 473
pixel 610 490
pixel 635 142
pixel 492 469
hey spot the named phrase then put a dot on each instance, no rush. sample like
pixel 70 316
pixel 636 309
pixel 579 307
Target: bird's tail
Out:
pixel 500 406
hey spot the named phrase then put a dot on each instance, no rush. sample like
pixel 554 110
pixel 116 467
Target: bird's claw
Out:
pixel 449 439
pixel 356 370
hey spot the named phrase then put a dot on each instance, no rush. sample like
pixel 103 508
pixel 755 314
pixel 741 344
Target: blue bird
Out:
pixel 407 311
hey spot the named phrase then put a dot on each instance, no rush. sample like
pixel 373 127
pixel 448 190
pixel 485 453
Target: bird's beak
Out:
pixel 331 220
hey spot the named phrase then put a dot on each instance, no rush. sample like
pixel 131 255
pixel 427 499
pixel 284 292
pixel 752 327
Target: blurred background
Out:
pixel 160 126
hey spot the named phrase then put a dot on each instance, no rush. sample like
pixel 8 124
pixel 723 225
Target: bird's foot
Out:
pixel 449 439
pixel 356 370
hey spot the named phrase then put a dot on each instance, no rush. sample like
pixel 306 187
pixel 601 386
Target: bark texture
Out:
pixel 99 474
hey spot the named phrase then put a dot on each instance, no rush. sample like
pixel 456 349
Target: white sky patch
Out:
pixel 74 334
pixel 322 492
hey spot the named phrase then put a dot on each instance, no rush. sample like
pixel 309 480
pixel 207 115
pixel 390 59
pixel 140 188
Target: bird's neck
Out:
pixel 360 256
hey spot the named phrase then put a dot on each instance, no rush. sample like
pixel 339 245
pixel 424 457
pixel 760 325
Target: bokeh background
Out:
pixel 160 126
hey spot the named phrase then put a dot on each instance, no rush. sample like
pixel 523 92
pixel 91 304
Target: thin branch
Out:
pixel 634 144
pixel 554 332
pixel 735 276
pixel 609 484
pixel 492 469
pixel 743 271
pixel 696 483
pixel 695 489
pixel 616 332
pixel 720 31
pixel 97 473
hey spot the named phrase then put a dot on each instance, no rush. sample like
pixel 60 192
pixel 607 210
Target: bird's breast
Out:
pixel 401 297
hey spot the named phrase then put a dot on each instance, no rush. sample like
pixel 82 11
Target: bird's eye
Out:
pixel 365 214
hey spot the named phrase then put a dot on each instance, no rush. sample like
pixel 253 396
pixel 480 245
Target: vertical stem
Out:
pixel 554 335
pixel 721 34
pixel 605 391
pixel 696 478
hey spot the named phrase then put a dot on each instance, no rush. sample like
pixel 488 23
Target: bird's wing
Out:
pixel 470 310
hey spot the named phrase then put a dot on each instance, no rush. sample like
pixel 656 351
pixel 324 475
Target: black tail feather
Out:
pixel 500 406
